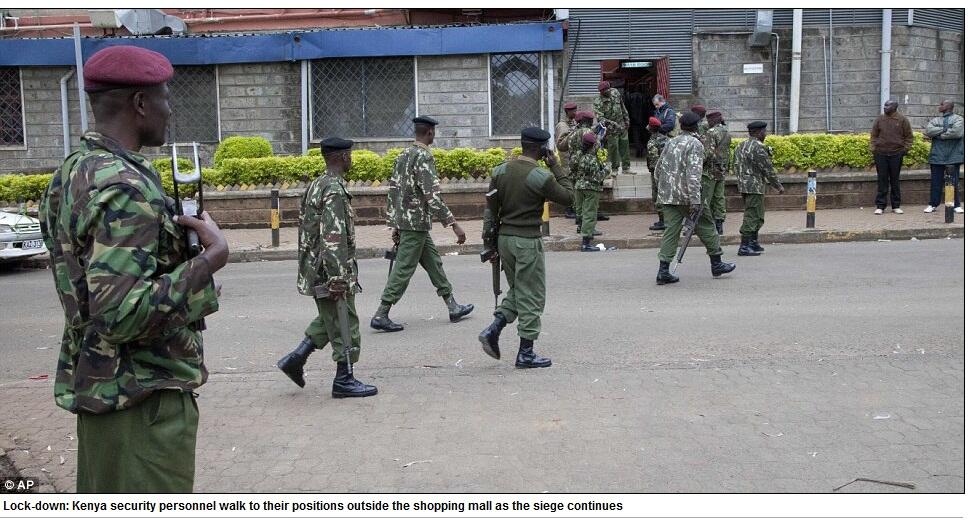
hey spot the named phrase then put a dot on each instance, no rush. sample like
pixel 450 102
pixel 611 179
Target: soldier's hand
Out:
pixel 216 249
pixel 551 160
pixel 395 235
pixel 780 189
pixel 337 289
pixel 459 233
pixel 695 208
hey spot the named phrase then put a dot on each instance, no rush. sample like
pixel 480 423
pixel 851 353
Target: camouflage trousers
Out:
pixel 655 191
pixel 325 328
pixel 705 228
pixel 753 214
pixel 415 248
pixel 523 261
pixel 586 210
pixel 618 149
pixel 147 449
pixel 718 202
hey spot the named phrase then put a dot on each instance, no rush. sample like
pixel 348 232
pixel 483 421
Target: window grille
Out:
pixel 363 98
pixel 195 104
pixel 11 108
pixel 516 93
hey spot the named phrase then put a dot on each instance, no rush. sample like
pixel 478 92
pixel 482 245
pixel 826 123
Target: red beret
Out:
pixel 698 109
pixel 713 115
pixel 571 106
pixel 584 114
pixel 589 138
pixel 123 66
pixel 653 122
pixel 603 85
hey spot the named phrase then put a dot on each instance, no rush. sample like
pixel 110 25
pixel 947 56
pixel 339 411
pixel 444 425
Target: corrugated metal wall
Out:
pixel 653 33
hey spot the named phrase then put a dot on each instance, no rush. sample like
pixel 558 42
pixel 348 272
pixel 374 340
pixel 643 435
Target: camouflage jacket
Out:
pixel 702 127
pixel 654 147
pixel 589 171
pixel 327 245
pixel 122 273
pixel 753 167
pixel 679 169
pixel 414 195
pixel 575 147
pixel 716 144
pixel 612 112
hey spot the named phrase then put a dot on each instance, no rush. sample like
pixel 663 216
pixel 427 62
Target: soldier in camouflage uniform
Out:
pixel 512 231
pixel 563 132
pixel 680 192
pixel 131 352
pixel 589 174
pixel 754 169
pixel 611 111
pixel 716 142
pixel 327 260
pixel 702 126
pixel 584 122
pixel 413 199
pixel 654 147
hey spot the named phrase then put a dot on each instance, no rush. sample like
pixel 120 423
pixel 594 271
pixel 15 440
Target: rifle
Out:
pixel 391 255
pixel 343 316
pixel 690 224
pixel 487 256
pixel 190 206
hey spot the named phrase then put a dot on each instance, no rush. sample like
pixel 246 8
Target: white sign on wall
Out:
pixel 753 68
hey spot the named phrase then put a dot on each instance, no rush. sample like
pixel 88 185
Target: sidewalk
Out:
pixel 632 231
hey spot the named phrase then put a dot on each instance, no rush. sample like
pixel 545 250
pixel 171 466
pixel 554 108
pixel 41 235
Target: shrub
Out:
pixel 18 187
pixel 267 170
pixel 164 165
pixel 242 147
pixel 367 166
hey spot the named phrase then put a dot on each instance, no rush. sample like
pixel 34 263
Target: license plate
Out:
pixel 32 245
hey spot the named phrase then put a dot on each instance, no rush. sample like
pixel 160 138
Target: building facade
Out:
pixel 485 78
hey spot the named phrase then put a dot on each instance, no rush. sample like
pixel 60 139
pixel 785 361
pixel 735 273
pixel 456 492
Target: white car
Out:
pixel 19 237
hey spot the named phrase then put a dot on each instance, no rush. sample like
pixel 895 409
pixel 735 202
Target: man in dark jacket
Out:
pixel 948 135
pixel 891 137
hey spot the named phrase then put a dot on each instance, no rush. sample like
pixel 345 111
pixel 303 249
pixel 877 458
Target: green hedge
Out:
pixel 242 147
pixel 17 187
pixel 825 151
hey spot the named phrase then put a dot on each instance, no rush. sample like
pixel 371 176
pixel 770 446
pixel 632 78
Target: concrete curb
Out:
pixel 563 243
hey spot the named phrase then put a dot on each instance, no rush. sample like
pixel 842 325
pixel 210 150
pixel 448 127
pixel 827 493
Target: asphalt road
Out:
pixel 807 367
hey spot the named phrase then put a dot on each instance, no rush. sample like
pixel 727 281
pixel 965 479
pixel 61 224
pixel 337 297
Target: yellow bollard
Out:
pixel 812 196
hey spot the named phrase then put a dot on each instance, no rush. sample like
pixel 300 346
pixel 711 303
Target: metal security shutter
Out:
pixel 711 20
pixel 842 17
pixel 639 34
pixel 947 19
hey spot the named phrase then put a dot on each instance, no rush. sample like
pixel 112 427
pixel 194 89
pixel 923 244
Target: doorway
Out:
pixel 638 81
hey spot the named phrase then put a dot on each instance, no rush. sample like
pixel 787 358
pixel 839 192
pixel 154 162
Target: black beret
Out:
pixel 427 120
pixel 535 135
pixel 690 119
pixel 335 144
pixel 756 125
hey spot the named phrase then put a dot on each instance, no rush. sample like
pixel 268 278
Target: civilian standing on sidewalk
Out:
pixel 948 135
pixel 891 138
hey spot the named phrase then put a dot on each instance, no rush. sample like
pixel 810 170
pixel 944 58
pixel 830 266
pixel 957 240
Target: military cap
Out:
pixel 604 85
pixel 654 122
pixel 589 138
pixel 699 109
pixel 123 66
pixel 535 135
pixel 756 125
pixel 584 115
pixel 570 106
pixel 690 119
pixel 713 115
pixel 426 120
pixel 335 144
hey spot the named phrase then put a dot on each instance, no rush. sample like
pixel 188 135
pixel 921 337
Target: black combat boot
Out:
pixel 663 276
pixel 587 245
pixel 755 244
pixel 346 386
pixel 602 217
pixel 489 337
pixel 658 225
pixel 570 213
pixel 745 250
pixel 718 267
pixel 457 311
pixel 292 364
pixel 719 224
pixel 527 359
pixel 381 320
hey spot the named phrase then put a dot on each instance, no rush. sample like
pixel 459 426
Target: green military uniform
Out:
pixel 413 200
pixel 716 142
pixel 327 255
pixel 611 111
pixel 754 169
pixel 654 147
pixel 130 353
pixel 702 127
pixel 590 172
pixel 563 134
pixel 512 224
pixel 678 174
pixel 574 146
